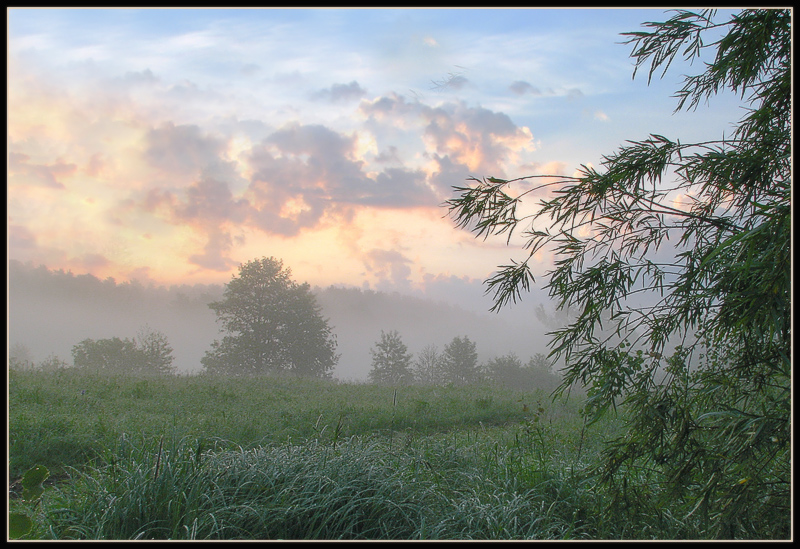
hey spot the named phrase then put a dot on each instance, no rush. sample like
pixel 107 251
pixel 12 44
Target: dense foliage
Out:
pixel 711 423
pixel 273 324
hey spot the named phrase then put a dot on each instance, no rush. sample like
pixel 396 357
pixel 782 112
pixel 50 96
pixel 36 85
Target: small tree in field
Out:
pixel 460 362
pixel 428 366
pixel 273 323
pixel 709 426
pixel 155 352
pixel 391 361
pixel 507 370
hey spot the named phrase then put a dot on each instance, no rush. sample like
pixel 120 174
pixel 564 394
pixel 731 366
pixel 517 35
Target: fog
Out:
pixel 51 311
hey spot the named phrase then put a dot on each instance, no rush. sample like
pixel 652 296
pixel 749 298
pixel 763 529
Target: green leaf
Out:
pixel 32 480
pixel 19 525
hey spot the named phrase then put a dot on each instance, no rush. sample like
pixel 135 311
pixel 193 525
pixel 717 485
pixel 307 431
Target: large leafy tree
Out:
pixel 274 325
pixel 691 335
pixel 391 361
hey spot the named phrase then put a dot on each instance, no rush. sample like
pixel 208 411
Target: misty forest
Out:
pixel 640 390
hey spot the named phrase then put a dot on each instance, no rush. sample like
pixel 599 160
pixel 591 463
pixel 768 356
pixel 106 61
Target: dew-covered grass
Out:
pixel 284 458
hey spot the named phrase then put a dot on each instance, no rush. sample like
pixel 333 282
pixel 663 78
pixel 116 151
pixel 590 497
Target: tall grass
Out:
pixel 279 458
pixel 191 489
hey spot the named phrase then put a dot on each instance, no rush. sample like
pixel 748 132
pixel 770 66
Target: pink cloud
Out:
pixel 45 174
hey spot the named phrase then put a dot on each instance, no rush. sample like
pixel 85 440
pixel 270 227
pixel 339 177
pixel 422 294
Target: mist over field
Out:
pixel 51 311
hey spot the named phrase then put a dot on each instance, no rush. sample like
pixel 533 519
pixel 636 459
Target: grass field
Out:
pixel 280 458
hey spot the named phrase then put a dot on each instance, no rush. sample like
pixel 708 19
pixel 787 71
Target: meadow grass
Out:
pixel 68 417
pixel 359 490
pixel 283 458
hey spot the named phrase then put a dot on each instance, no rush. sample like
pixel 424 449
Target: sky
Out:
pixel 169 146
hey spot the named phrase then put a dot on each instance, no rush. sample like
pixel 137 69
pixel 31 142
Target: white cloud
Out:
pixel 600 115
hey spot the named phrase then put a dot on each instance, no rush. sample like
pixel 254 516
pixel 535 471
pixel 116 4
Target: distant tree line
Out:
pixel 457 364
pixel 269 324
pixel 26 278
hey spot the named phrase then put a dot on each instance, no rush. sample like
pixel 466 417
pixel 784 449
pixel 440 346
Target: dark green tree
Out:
pixel 459 364
pixel 391 361
pixel 274 325
pixel 691 335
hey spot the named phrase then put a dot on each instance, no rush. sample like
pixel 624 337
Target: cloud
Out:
pixel 210 208
pixel 398 188
pixel 249 69
pixel 600 115
pixel 211 201
pixel 215 253
pixel 389 156
pixel 47 175
pixel 390 266
pixel 138 78
pixel 182 149
pixel 310 165
pixel 93 262
pixel 453 81
pixel 206 203
pixel 520 87
pixel 339 93
pixel 480 139
pixel 311 169
pixel 20 237
pixel 574 93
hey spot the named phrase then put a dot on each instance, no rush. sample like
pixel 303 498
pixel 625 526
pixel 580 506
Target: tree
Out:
pixel 151 354
pixel 274 325
pixel 714 433
pixel 53 364
pixel 106 355
pixel 19 357
pixel 391 361
pixel 428 366
pixel 460 362
pixel 508 370
pixel 155 352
